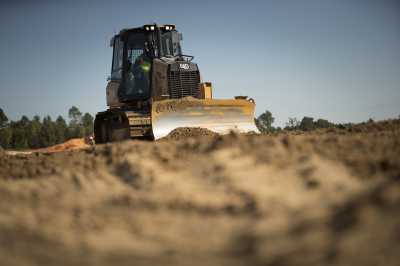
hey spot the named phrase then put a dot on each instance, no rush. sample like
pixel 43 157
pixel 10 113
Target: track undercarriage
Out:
pixel 120 124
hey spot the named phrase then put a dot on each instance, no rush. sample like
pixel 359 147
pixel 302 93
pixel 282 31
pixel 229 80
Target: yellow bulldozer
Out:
pixel 154 88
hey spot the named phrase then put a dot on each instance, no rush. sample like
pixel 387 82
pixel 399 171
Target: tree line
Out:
pixel 39 133
pixel 265 120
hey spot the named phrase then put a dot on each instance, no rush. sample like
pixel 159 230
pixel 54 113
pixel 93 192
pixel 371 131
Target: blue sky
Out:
pixel 333 59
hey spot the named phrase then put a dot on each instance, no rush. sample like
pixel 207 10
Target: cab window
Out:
pixel 116 71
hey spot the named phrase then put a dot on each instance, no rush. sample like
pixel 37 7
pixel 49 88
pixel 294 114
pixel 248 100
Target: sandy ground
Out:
pixel 329 197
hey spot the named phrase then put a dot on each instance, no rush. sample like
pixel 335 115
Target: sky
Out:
pixel 332 59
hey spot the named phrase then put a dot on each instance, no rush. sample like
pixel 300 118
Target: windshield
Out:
pixel 170 42
pixel 137 85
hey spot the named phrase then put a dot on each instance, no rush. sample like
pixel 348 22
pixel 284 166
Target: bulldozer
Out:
pixel 154 88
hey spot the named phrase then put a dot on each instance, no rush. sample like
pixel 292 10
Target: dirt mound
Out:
pixel 309 199
pixel 187 132
pixel 72 144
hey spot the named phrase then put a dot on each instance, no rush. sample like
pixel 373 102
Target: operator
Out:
pixel 141 72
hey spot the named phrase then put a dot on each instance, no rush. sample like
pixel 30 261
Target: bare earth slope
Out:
pixel 327 197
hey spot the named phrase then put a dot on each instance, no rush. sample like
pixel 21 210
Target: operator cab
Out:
pixel 133 53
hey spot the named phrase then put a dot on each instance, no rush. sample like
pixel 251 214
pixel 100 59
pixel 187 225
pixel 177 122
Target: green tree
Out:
pixel 19 133
pixel 307 123
pixel 5 131
pixel 87 123
pixel 25 124
pixel 74 115
pixel 5 137
pixel 293 123
pixel 60 129
pixel 19 138
pixel 264 122
pixel 47 132
pixel 75 129
pixel 3 119
pixel 323 123
pixel 35 128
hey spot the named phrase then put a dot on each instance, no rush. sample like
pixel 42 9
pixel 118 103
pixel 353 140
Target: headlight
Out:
pixel 149 27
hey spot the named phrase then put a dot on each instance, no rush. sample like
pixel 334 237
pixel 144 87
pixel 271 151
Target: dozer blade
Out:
pixel 221 116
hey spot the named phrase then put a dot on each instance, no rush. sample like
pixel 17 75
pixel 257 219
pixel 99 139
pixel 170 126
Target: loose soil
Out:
pixel 188 132
pixel 326 197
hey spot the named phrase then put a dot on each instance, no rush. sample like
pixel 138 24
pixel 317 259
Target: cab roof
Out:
pixel 144 28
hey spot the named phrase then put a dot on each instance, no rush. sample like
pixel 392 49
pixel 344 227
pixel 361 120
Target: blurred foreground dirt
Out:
pixel 328 197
